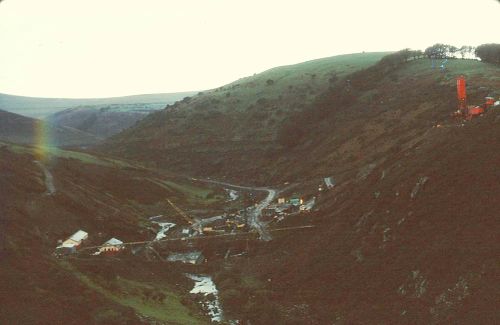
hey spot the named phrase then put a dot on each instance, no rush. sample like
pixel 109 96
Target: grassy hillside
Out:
pixel 225 125
pixel 42 107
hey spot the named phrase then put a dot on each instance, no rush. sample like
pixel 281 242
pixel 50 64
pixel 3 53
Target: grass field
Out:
pixel 454 67
pixel 194 194
pixel 133 294
pixel 54 152
pixel 307 78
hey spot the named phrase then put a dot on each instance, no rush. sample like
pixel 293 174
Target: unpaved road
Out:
pixel 49 180
pixel 255 213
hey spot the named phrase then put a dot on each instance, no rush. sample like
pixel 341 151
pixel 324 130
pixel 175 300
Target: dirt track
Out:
pixel 49 179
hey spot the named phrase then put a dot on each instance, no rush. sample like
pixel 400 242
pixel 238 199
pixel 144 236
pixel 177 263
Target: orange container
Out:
pixel 476 110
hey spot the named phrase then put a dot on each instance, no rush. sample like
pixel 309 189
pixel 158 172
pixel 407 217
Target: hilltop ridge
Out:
pixel 39 107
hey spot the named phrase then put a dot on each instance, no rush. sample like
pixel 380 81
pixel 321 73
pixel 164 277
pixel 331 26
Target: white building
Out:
pixel 111 246
pixel 76 239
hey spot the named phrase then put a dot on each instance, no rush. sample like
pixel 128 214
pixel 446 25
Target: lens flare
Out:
pixel 42 141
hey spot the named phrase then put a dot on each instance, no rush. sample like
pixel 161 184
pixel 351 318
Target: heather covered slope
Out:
pixel 379 112
pixel 106 198
pixel 413 241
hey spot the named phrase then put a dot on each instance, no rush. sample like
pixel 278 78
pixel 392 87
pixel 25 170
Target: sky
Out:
pixel 105 48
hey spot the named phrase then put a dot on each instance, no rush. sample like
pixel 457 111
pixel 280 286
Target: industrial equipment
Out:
pixel 469 111
pixel 195 224
pixel 181 213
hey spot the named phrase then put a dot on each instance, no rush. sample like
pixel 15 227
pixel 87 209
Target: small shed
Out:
pixel 296 201
pixel 268 212
pixel 195 257
pixel 329 182
pixel 64 250
pixel 284 208
pixel 111 246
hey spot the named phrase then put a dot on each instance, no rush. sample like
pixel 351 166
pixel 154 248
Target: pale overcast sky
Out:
pixel 102 48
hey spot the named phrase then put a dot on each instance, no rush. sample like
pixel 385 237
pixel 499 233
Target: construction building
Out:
pixel 112 246
pixel 195 257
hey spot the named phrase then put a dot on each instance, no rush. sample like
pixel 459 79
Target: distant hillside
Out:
pixel 42 107
pixel 101 121
pixel 235 122
pixel 25 130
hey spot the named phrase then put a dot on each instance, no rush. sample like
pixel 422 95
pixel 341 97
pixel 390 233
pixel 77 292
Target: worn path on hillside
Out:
pixel 255 213
pixel 49 180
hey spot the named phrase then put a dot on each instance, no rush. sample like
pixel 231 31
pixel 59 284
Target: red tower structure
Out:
pixel 467 112
pixel 462 95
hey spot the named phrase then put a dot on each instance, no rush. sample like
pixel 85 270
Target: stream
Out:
pixel 164 227
pixel 233 195
pixel 204 284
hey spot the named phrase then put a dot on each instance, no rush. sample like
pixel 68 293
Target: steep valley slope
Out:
pixel 408 233
pixel 352 121
pixel 411 241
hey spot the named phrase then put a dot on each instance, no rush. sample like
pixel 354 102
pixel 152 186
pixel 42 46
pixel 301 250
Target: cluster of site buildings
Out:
pixel 75 241
pixel 231 222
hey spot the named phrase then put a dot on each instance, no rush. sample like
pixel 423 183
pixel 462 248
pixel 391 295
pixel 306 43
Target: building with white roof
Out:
pixel 111 246
pixel 70 245
pixel 76 239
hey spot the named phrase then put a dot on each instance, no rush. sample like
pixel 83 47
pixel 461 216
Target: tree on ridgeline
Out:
pixel 489 53
pixel 466 50
pixel 437 51
pixel 399 57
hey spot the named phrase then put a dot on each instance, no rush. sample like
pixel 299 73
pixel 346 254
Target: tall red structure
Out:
pixel 465 111
pixel 462 95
